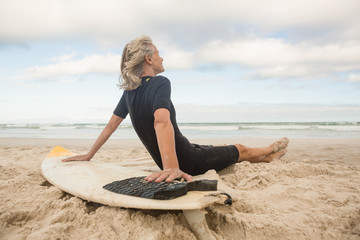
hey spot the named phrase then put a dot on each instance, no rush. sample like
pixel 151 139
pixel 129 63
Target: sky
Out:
pixel 227 60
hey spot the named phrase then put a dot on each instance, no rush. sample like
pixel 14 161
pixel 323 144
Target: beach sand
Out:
pixel 312 193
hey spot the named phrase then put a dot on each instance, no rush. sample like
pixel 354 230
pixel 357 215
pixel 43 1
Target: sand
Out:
pixel 313 193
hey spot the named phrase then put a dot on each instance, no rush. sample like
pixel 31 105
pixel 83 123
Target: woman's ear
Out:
pixel 148 59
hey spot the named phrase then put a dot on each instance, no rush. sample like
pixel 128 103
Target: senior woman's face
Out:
pixel 157 62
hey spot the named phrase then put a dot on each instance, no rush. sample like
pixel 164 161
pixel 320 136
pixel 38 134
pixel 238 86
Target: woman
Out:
pixel 146 98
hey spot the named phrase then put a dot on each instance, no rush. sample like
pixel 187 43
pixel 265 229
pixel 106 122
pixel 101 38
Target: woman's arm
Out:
pixel 166 141
pixel 112 125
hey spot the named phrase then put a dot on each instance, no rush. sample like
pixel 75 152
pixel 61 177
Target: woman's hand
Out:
pixel 84 157
pixel 168 175
pixel 112 125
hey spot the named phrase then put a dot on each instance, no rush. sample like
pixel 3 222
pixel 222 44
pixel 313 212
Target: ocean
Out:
pixel 191 130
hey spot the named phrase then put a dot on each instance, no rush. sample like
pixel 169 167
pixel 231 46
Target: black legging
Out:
pixel 196 159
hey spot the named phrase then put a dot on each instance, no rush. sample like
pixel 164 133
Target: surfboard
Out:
pixel 87 179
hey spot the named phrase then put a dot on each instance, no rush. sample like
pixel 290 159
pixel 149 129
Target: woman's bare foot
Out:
pixel 266 154
pixel 275 156
pixel 280 144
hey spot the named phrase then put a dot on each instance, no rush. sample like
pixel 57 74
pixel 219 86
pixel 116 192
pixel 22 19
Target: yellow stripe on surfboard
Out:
pixel 59 152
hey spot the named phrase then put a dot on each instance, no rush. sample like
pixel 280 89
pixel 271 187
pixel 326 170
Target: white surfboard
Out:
pixel 86 180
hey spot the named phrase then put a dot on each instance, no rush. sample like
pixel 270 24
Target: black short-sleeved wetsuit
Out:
pixel 141 103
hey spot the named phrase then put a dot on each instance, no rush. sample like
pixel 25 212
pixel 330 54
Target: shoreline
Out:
pixel 233 130
pixel 19 141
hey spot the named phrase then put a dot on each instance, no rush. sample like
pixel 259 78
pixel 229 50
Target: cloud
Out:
pixel 270 51
pixel 354 77
pixel 265 59
pixel 275 39
pixel 175 58
pixel 195 20
pixel 67 65
pixel 277 58
pixel 270 58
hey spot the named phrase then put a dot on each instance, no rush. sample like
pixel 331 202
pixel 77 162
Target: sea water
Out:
pixel 191 130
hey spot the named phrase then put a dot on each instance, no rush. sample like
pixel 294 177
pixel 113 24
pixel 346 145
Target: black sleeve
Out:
pixel 162 95
pixel 121 109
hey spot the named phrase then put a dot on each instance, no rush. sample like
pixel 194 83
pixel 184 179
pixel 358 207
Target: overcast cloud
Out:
pixel 267 58
pixel 113 19
pixel 309 39
pixel 275 40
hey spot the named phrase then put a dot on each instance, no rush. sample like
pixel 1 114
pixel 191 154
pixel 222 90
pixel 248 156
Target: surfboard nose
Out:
pixel 59 152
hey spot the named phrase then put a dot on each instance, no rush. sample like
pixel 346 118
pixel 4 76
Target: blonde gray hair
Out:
pixel 132 62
